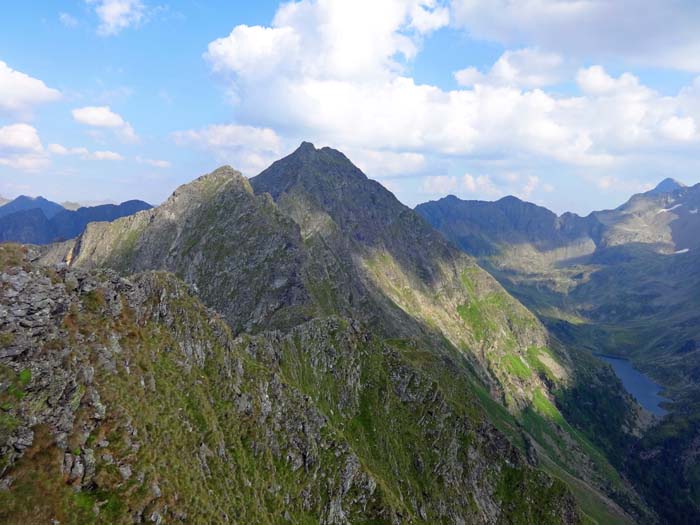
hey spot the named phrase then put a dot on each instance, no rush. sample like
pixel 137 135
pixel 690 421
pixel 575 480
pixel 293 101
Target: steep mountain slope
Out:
pixel 625 282
pixel 129 401
pixel 3 200
pixel 312 237
pixel 31 226
pixel 23 203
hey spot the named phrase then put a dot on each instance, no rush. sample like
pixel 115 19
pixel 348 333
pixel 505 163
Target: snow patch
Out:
pixel 684 250
pixel 666 210
pixel 694 212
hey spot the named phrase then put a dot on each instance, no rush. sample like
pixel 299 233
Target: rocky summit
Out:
pixel 298 347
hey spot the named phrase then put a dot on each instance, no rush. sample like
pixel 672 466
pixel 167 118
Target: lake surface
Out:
pixel 644 390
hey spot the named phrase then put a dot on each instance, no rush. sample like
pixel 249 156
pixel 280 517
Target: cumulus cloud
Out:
pixel 321 70
pixel 527 68
pixel 84 153
pixel 679 129
pixel 486 187
pixel 591 29
pixel 104 117
pixel 384 164
pixel 21 147
pixel 117 15
pixel 481 185
pixel 106 155
pixel 331 39
pixel 58 149
pixel 440 184
pixel 247 148
pixel 19 92
pixel 156 163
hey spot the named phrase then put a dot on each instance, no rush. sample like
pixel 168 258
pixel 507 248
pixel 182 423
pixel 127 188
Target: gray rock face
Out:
pixel 237 251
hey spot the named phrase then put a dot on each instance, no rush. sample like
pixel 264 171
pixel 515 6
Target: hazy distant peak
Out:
pixel 24 202
pixel 667 185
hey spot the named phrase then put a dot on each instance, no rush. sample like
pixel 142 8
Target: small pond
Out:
pixel 644 390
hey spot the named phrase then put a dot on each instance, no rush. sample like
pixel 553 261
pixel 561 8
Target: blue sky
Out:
pixel 556 101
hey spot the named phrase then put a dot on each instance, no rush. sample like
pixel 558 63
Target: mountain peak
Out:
pixel 668 185
pixel 222 175
pixel 320 170
pixel 306 147
pixel 24 202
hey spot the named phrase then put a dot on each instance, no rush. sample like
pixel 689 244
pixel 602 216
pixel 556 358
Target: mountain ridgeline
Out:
pixel 40 221
pixel 621 282
pixel 296 347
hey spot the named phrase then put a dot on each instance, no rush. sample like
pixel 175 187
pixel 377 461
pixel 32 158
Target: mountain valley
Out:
pixel 621 283
pixel 302 346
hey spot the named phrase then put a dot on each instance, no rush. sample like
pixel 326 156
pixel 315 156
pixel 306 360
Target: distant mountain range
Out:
pixel 624 282
pixel 36 220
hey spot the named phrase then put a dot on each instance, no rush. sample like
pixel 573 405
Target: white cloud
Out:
pixel 322 70
pixel 21 147
pixel 527 68
pixel 481 185
pixel 679 129
pixel 487 187
pixel 247 148
pixel 58 149
pixel 19 92
pixel 331 39
pixel 428 16
pixel 596 81
pixel 117 15
pixel 649 32
pixel 99 116
pixel 104 117
pixel 67 20
pixel 469 76
pixel 382 164
pixel 154 162
pixel 440 184
pixel 106 155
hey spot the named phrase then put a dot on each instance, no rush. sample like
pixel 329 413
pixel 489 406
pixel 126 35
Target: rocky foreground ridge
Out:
pixel 126 400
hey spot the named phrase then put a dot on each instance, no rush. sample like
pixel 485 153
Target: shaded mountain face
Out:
pixel 484 228
pixel 625 283
pixel 32 226
pixel 23 203
pixel 312 238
